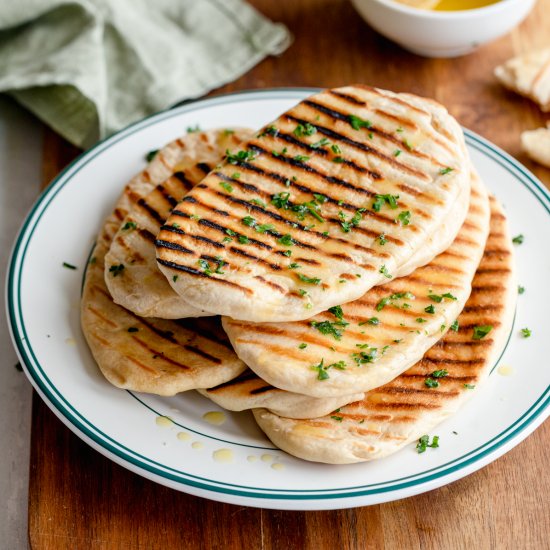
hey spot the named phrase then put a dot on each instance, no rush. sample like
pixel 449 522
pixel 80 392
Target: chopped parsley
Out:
pixel 382 239
pixel 176 225
pixel 116 269
pixel 286 240
pixel 424 443
pixel 372 321
pixel 397 152
pixel 335 149
pixel 318 144
pixel 264 227
pixel 303 345
pixel 526 332
pixel 193 129
pixel 481 331
pixel 249 221
pixel 226 186
pixel 236 175
pixel 310 280
pixel 269 131
pixel 440 373
pixel 357 123
pixel 330 328
pixel 240 156
pixel 364 357
pixel 430 309
pixel 455 325
pixel 339 160
pixel 129 225
pixel 205 266
pixel 243 239
pixel 521 289
pixel 337 418
pixel 71 266
pixel 306 129
pixel 421 320
pixel 175 278
pixel 321 199
pixel 404 217
pixel 151 155
pixel 431 383
pixel 230 232
pixel 337 312
pixel 469 386
pixel 322 370
pixel 280 200
pixel 280 154
pixel 259 202
pixel 446 170
pixel 384 271
pixel 449 296
pixel 380 200
pixel 518 239
pixel 348 225
pixel 301 158
pixel 287 253
pixel 389 299
pixel 294 265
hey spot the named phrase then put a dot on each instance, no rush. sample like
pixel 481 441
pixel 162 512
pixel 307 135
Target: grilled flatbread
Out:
pixel 367 343
pixel 149 355
pixel 529 75
pixel 536 143
pixel 248 391
pixel 390 417
pixel 318 188
pixel 140 287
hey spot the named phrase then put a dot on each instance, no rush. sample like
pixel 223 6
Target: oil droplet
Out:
pixel 251 458
pixel 278 466
pixel 214 417
pixel 164 421
pixel 197 445
pixel 223 455
pixel 505 370
pixel 70 341
pixel 183 436
pixel 267 457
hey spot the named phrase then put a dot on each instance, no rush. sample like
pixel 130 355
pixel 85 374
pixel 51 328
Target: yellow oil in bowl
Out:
pixel 456 5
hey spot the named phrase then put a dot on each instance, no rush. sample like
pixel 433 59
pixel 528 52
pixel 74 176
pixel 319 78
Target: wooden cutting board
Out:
pixel 79 499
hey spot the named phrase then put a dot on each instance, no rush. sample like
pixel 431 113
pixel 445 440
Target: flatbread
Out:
pixel 402 411
pixel 536 143
pixel 340 148
pixel 149 355
pixel 140 287
pixel 248 391
pixel 388 329
pixel 529 75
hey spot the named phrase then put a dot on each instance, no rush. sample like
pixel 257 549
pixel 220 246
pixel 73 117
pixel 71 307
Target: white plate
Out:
pixel 43 308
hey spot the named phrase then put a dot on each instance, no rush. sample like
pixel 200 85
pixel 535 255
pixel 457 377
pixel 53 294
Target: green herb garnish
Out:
pixel 130 225
pixel 518 239
pixel 151 155
pixel 526 332
pixel 384 271
pixel 322 370
pixel 71 266
pixel 240 156
pixel 446 170
pixel 310 280
pixel 424 443
pixel 455 325
pixel 404 217
pixel 226 186
pixel 357 123
pixel 481 331
pixel 380 200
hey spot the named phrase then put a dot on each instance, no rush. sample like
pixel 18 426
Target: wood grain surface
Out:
pixel 78 499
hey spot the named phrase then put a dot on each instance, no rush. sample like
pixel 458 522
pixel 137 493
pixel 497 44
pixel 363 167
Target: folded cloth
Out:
pixel 90 67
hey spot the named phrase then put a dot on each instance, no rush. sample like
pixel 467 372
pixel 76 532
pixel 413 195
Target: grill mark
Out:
pixel 203 167
pixel 182 178
pixel 100 290
pixel 244 254
pixel 493 271
pixel 496 252
pixel 119 214
pixel 197 273
pixel 400 390
pixel 129 250
pixel 151 211
pixel 207 240
pixel 246 376
pixel 172 246
pixel 347 97
pixel 102 317
pixel 273 285
pixel 213 225
pixel 488 289
pixel 160 354
pixel 196 327
pixel 455 362
pixel 146 234
pixel 140 364
pixel 203 354
pixel 358 145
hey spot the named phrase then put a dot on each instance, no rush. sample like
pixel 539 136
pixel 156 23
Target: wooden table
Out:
pixel 79 499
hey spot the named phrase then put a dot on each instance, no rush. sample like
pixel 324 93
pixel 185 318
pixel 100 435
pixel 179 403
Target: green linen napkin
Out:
pixel 90 67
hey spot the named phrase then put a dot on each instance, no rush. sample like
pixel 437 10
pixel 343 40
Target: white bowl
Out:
pixel 442 33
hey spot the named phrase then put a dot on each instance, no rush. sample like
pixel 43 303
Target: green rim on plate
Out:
pixel 137 462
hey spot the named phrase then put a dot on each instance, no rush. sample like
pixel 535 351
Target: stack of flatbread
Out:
pixel 364 277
